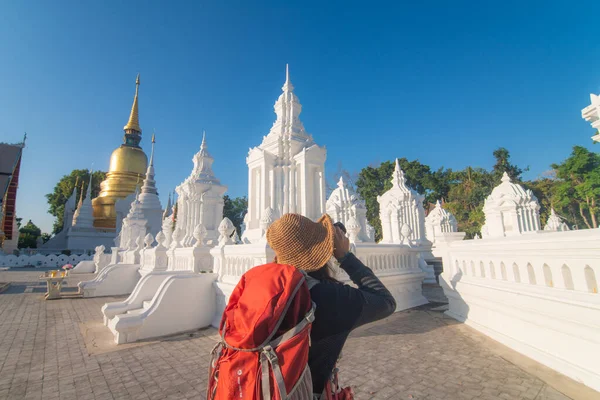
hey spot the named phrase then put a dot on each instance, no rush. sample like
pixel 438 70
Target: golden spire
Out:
pixel 134 121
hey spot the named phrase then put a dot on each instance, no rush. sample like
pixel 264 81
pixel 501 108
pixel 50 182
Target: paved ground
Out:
pixel 416 354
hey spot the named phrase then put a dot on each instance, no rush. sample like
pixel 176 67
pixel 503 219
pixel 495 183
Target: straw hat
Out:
pixel 300 242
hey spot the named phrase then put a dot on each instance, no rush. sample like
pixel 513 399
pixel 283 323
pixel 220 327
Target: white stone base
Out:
pixel 429 273
pixel 163 303
pixel 557 328
pixel 84 267
pixel 114 280
pixel 406 289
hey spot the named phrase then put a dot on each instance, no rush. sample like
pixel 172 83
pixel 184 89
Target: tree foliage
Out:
pixel 235 209
pixel 63 190
pixel 577 191
pixel 28 235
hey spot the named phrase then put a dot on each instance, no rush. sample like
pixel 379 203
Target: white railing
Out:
pixel 191 259
pixel 40 260
pixel 536 293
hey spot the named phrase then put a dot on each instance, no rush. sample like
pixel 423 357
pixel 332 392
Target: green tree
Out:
pixel 63 190
pixel 46 237
pixel 28 235
pixel 503 165
pixel 466 197
pixel 543 189
pixel 578 187
pixel 235 209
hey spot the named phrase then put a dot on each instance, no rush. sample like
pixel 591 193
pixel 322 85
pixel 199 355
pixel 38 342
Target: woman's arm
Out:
pixel 377 301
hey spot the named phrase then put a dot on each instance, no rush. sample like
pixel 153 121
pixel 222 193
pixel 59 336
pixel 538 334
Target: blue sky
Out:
pixel 443 82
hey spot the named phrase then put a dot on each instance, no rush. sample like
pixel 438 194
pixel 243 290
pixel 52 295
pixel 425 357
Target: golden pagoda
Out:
pixel 128 165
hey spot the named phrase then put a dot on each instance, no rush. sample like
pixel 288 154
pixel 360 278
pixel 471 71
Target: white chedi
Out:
pixel 438 222
pixel 510 210
pixel 286 171
pixel 343 205
pixel 591 114
pixel 555 223
pixel 401 212
pixel 200 199
pixel 148 198
pixel 133 227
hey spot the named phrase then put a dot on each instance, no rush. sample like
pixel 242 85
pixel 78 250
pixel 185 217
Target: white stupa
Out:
pixel 510 210
pixel 438 222
pixel 84 218
pixel 555 223
pixel 591 114
pixel 148 198
pixel 401 212
pixel 345 206
pixel 200 199
pixel 286 171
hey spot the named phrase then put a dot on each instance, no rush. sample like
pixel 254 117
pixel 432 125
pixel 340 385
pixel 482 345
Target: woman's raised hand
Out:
pixel 341 244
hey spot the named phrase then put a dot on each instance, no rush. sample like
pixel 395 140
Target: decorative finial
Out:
pixel 133 125
pixel 203 145
pixel 151 163
pixel 505 177
pixel 287 86
pixel 89 189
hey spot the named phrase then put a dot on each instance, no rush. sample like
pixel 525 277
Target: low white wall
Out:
pixel 114 280
pixel 40 260
pixel 536 293
pixel 396 265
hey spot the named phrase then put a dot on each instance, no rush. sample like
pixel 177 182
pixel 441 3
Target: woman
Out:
pixel 309 246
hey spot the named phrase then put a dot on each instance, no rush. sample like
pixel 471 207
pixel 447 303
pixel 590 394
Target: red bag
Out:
pixel 265 331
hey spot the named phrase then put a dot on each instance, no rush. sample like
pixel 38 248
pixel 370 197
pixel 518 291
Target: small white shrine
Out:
pixel 200 199
pixel 591 114
pixel 81 234
pixel 286 171
pixel 401 212
pixel 510 210
pixel 438 222
pixel 555 223
pixel 148 198
pixel 345 206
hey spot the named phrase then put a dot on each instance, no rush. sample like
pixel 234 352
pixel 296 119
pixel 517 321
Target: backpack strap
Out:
pixel 310 281
pixel 308 318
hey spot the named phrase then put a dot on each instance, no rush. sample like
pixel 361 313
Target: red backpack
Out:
pixel 265 338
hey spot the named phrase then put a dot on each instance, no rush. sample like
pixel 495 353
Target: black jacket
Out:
pixel 340 309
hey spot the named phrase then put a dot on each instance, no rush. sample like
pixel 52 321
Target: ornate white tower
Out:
pixel 510 210
pixel 134 226
pixel 84 217
pixel 401 212
pixel 344 204
pixel 149 201
pixel 286 173
pixel 555 223
pixel 439 221
pixel 200 199
pixel 591 114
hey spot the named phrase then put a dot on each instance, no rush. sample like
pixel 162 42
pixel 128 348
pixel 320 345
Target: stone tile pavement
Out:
pixel 415 354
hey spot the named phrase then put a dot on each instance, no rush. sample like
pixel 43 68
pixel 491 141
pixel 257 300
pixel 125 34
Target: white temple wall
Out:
pixel 536 293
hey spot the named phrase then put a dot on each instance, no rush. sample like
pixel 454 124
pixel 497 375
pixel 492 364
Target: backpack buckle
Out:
pixel 271 355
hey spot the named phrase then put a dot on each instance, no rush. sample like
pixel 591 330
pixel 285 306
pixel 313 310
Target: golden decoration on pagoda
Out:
pixel 128 164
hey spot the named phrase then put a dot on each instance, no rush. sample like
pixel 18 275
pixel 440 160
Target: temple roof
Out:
pixel 9 156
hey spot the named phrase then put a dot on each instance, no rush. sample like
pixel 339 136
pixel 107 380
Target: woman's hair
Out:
pixel 325 273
